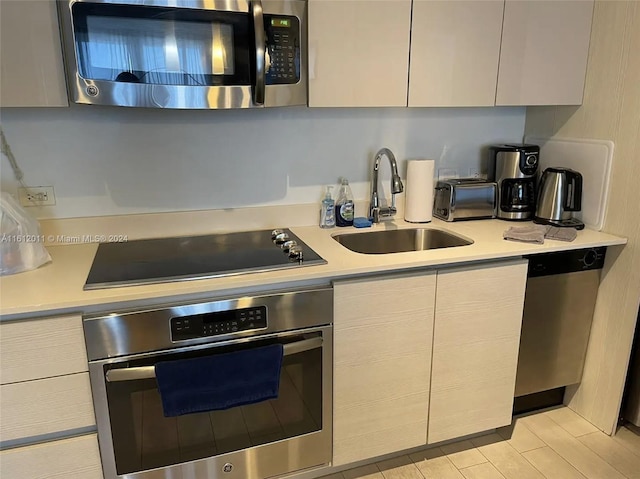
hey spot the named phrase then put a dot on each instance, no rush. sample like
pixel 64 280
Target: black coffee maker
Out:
pixel 514 168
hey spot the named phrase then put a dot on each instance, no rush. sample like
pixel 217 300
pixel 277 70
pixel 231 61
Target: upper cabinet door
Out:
pixel 31 68
pixel 358 52
pixel 543 60
pixel 455 46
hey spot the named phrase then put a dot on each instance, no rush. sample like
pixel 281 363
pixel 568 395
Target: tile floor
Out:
pixel 555 444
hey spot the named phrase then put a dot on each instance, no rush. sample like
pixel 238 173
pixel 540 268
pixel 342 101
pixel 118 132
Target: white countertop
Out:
pixel 56 288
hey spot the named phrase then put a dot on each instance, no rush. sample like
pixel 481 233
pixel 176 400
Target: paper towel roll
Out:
pixel 419 191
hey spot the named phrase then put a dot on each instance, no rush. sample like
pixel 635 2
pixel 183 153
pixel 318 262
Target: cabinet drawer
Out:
pixel 41 348
pixel 74 458
pixel 47 406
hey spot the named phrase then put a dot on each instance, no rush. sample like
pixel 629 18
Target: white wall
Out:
pixel 610 111
pixel 108 161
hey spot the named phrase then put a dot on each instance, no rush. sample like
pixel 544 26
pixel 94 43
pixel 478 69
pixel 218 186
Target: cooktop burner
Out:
pixel 197 257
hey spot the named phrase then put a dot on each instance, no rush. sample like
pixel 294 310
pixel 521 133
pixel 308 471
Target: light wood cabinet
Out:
pixel 475 348
pixel 358 52
pixel 455 48
pixel 462 53
pixel 55 406
pixel 31 67
pixel 45 394
pixel 545 45
pixel 41 348
pixel 382 358
pixel 73 458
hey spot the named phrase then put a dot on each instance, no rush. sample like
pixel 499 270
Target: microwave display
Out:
pixel 280 22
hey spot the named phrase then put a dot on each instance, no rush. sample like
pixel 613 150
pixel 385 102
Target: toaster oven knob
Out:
pixel 92 90
pixel 228 467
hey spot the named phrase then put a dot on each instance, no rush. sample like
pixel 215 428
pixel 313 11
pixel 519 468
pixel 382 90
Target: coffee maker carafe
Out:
pixel 513 168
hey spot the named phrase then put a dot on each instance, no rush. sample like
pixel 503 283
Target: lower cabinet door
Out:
pixel 73 458
pixel 475 348
pixel 383 331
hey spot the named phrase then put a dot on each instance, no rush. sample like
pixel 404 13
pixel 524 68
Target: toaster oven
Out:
pixel 464 199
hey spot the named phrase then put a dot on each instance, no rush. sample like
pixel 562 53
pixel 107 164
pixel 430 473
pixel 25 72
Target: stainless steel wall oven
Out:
pixel 252 441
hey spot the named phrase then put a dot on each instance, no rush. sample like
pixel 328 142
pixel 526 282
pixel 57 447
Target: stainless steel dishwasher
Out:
pixel 558 310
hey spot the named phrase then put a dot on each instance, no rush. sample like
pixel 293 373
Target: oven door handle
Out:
pixel 149 372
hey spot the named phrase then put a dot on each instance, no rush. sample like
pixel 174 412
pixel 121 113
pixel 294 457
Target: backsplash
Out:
pixel 113 161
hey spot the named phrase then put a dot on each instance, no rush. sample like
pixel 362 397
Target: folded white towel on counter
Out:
pixel 538 233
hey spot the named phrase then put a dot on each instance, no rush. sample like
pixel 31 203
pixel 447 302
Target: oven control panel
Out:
pixel 218 323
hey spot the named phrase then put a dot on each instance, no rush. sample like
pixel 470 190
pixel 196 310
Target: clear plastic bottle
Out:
pixel 344 205
pixel 327 212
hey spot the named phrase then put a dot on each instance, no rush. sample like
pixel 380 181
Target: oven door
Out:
pixel 286 434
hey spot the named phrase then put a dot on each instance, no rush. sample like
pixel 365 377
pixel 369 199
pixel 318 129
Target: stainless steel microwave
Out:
pixel 188 54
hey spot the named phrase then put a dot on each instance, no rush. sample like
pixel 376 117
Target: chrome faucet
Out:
pixel 376 212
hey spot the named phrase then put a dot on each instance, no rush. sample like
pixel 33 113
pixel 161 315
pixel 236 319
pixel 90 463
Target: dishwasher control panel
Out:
pixel 218 323
pixel 566 261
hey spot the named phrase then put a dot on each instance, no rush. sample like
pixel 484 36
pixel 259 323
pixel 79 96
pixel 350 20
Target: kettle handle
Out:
pixel 573 203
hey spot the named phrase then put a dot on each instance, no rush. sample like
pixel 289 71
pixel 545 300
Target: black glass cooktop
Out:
pixel 196 257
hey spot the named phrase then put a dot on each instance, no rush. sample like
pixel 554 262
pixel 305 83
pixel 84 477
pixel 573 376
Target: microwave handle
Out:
pixel 258 26
pixel 149 372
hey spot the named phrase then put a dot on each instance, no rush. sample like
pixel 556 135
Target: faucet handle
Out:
pixel 386 213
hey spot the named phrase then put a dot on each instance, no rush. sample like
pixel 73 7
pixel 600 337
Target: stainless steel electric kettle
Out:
pixel 559 196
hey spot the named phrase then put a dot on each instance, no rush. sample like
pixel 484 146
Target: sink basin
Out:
pixel 399 241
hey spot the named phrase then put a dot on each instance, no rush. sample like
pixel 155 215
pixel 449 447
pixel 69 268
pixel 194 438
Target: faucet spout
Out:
pixel 376 212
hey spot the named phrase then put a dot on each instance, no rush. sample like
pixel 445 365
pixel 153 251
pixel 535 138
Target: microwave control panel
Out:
pixel 283 49
pixel 218 323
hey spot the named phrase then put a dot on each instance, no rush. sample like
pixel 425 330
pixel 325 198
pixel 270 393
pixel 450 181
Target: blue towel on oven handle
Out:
pixel 220 381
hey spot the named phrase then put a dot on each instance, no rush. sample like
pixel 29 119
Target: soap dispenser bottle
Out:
pixel 344 205
pixel 327 212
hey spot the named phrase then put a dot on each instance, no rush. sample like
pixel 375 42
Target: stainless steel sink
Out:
pixel 401 240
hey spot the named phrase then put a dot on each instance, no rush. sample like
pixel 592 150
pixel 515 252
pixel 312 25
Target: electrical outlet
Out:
pixel 446 173
pixel 37 196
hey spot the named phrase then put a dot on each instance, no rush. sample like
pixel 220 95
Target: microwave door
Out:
pixel 258 25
